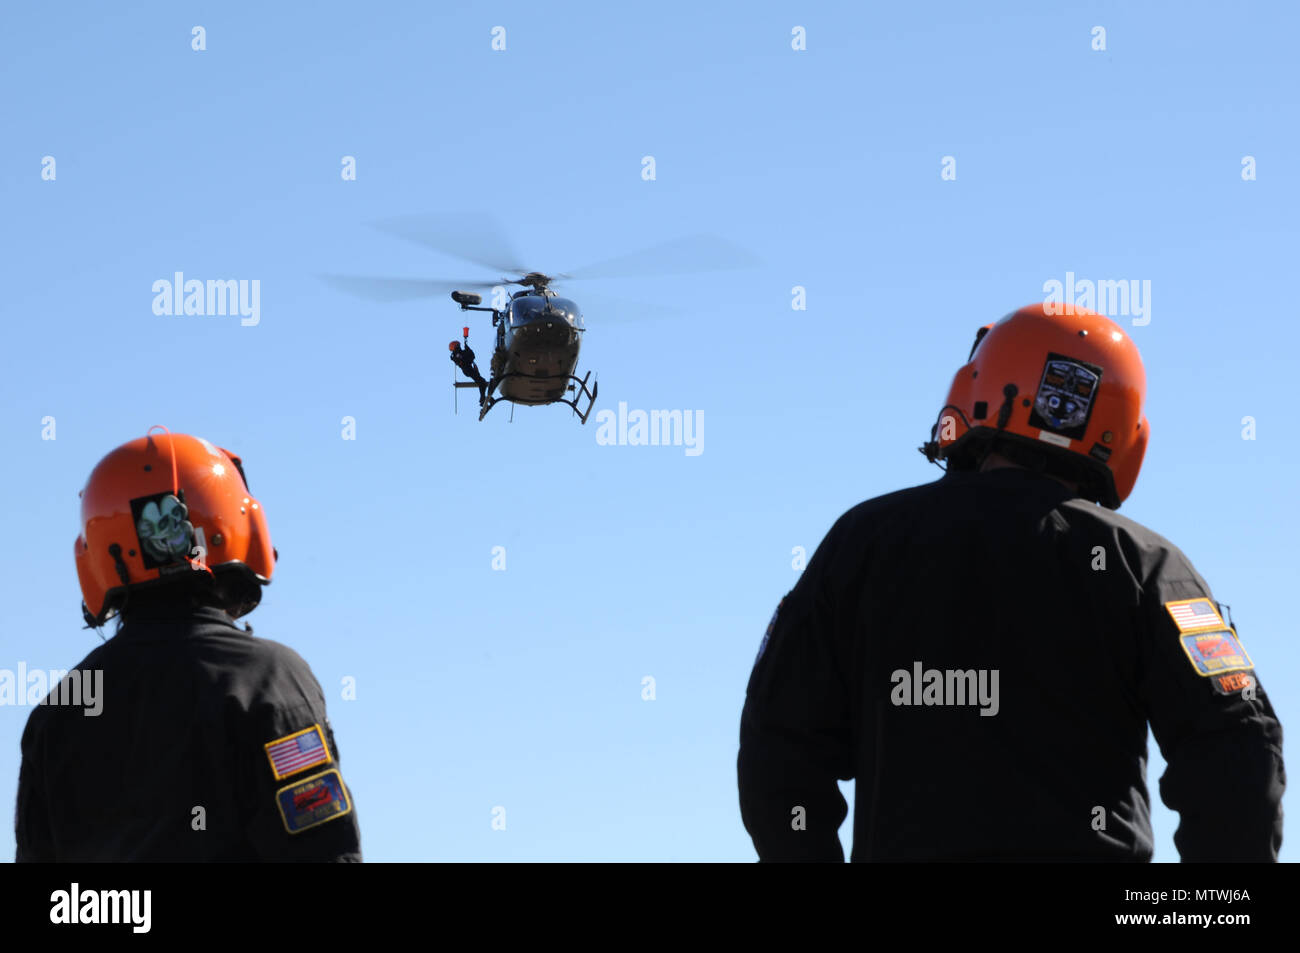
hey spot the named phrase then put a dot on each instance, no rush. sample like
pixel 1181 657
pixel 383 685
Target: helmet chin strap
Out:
pixel 931 447
pixel 119 564
pixel 1009 393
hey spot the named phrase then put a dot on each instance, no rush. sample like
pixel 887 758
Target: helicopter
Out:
pixel 538 333
pixel 538 336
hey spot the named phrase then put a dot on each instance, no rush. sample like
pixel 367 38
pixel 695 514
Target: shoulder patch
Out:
pixel 313 801
pixel 297 752
pixel 1215 653
pixel 1192 615
pixel 762 646
pixel 1233 682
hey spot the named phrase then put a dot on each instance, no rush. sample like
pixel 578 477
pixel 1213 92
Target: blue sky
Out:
pixel 522 688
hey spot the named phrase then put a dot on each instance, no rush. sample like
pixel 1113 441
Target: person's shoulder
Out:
pixel 1085 511
pixel 266 675
pixel 898 503
pixel 44 713
pixel 1155 553
pixel 222 644
pixel 271 655
pixel 98 656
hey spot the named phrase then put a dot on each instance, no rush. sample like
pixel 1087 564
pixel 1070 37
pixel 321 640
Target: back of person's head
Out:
pixel 168 521
pixel 235 594
pixel 1052 388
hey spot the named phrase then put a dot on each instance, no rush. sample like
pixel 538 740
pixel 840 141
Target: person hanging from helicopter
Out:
pixel 463 357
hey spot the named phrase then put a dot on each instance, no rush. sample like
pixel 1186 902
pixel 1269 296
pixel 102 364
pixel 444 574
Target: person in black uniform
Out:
pixel 463 357
pixel 205 743
pixel 983 654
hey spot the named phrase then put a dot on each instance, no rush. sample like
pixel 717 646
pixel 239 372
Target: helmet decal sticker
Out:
pixel 1065 395
pixel 163 527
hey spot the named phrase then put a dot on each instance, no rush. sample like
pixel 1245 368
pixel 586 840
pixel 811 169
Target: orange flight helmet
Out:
pixel 161 505
pixel 1053 386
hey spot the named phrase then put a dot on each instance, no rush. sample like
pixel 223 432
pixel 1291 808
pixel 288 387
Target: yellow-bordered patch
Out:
pixel 1215 652
pixel 295 753
pixel 1193 615
pixel 313 801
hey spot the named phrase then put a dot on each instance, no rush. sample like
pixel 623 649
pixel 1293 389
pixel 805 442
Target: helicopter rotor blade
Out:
pixel 690 255
pixel 399 289
pixel 603 309
pixel 471 237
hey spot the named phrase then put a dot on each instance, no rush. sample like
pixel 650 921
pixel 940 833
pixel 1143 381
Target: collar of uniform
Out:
pixel 165 614
pixel 1018 477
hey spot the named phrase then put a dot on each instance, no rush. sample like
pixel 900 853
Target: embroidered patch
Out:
pixel 1233 682
pixel 1191 615
pixel 762 646
pixel 1215 653
pixel 313 801
pixel 298 752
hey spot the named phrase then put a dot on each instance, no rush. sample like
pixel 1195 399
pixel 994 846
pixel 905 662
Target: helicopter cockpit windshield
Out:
pixel 529 308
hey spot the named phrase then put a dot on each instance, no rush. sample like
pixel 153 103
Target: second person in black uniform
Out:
pixel 983 654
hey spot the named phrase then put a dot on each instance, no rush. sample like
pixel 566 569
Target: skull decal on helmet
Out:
pixel 165 532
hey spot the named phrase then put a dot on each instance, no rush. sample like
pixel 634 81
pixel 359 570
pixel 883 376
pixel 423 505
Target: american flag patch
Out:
pixel 1192 614
pixel 298 752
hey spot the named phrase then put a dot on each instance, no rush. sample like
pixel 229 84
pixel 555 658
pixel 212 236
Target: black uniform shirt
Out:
pixel 175 767
pixel 873 668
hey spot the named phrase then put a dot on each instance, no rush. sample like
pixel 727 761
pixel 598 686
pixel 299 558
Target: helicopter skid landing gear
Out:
pixel 589 394
pixel 578 388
